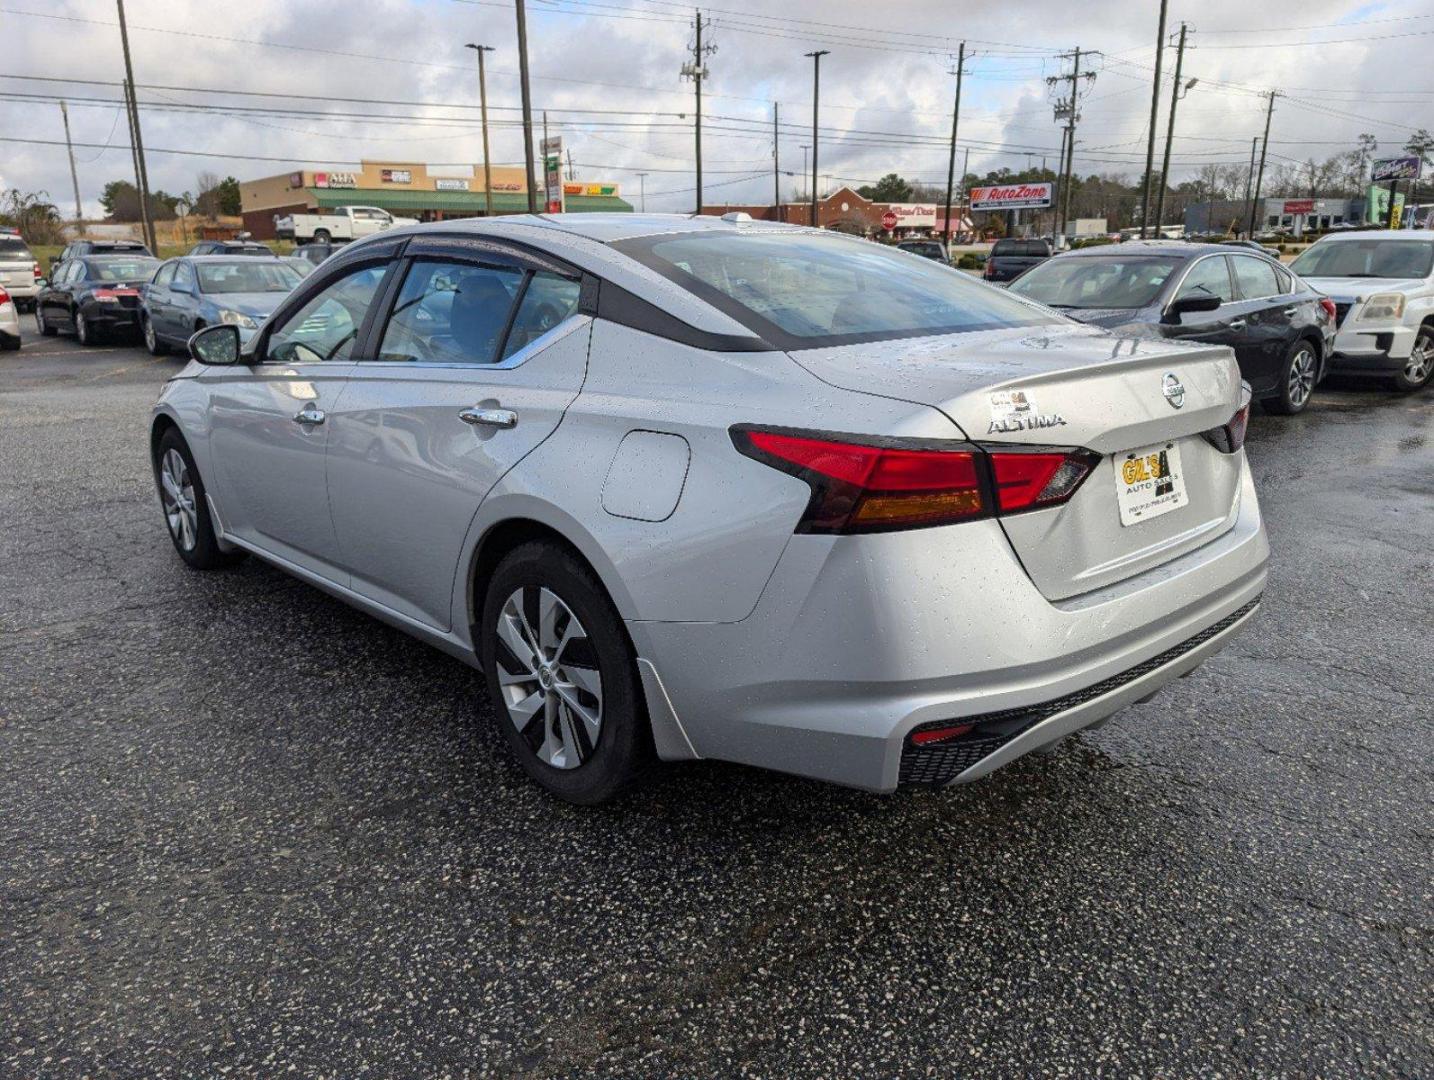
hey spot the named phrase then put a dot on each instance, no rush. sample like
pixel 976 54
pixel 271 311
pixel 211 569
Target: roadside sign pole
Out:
pixel 955 120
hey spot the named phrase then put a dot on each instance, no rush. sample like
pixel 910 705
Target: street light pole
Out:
pixel 527 105
pixel 483 106
pixel 816 101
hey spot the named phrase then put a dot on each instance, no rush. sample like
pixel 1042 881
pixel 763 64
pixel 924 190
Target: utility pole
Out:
pixel 74 176
pixel 805 148
pixel 1154 116
pixel 696 70
pixel 1264 147
pixel 642 186
pixel 571 174
pixel 965 172
pixel 483 106
pixel 816 101
pixel 138 141
pixel 1069 110
pixel 527 105
pixel 776 165
pixel 1175 94
pixel 955 121
pixel 1250 179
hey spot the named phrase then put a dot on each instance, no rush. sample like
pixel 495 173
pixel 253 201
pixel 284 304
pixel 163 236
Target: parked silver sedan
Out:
pixel 697 488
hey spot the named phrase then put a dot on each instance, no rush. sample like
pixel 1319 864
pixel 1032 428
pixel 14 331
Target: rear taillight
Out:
pixel 1329 309
pixel 989 271
pixel 1230 436
pixel 38 275
pixel 4 297
pixel 880 485
pixel 112 295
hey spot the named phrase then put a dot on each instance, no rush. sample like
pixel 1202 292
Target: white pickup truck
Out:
pixel 344 223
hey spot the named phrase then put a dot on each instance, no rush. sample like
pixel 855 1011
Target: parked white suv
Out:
pixel 345 223
pixel 1382 285
pixel 19 271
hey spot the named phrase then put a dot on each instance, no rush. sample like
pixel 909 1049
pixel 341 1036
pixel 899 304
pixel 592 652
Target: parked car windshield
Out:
pixel 826 290
pixel 1375 258
pixel 122 267
pixel 245 275
pixel 1025 248
pixel 1095 281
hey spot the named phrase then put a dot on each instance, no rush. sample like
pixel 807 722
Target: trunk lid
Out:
pixel 16 271
pixel 1073 386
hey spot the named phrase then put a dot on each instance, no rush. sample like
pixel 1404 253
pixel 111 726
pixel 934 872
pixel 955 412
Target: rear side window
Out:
pixel 804 290
pixel 547 301
pixel 1256 277
pixel 451 313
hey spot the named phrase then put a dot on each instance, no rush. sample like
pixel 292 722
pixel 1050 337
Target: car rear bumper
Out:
pixel 858 641
pixel 22 292
pixel 111 316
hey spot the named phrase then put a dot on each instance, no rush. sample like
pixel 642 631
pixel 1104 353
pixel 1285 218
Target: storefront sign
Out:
pixel 914 215
pixel 450 184
pixel 553 174
pixel 1299 206
pixel 508 185
pixel 335 179
pixel 1400 168
pixel 1012 196
pixel 396 176
pixel 589 189
pixel 296 179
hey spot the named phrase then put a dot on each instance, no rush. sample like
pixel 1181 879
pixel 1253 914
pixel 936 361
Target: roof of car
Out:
pixel 1180 249
pixel 609 227
pixel 1374 232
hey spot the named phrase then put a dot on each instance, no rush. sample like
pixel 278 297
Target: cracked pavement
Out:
pixel 247 831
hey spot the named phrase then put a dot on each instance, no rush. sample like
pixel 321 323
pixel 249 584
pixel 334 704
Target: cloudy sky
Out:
pixel 251 89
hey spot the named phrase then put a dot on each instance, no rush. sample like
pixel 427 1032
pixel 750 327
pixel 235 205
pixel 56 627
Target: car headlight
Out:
pixel 238 318
pixel 1382 307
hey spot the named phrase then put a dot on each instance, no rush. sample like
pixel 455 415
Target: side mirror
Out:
pixel 1186 304
pixel 216 345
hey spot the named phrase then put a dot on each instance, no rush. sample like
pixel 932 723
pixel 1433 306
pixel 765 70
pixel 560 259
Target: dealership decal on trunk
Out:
pixel 1013 410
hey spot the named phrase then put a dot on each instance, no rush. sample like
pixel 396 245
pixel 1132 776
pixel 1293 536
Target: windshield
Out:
pixel 1374 258
pixel 244 275
pixel 122 268
pixel 801 290
pixel 1095 281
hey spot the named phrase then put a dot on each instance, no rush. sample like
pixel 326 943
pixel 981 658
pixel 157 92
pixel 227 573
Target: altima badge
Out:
pixel 1174 392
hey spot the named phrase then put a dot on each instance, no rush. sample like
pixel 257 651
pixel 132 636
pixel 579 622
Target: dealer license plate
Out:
pixel 1149 482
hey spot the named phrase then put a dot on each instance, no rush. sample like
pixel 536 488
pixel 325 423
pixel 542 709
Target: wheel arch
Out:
pixel 162 423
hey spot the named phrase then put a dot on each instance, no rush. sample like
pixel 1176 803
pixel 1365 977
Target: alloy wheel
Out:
pixel 1421 359
pixel 176 493
pixel 150 341
pixel 549 678
pixel 1303 368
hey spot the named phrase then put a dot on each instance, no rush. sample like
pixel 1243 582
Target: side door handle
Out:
pixel 494 418
pixel 1237 324
pixel 309 416
pixel 1290 312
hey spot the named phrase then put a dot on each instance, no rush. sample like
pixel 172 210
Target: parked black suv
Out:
pixel 76 249
pixel 1009 259
pixel 231 247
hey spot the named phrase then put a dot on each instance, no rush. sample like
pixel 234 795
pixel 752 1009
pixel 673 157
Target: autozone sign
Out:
pixel 1012 196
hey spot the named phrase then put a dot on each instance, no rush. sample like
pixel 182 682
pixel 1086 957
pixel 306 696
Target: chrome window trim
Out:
pixel 574 322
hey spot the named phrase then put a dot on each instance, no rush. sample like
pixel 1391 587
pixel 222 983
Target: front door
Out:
pixel 479 359
pixel 1226 325
pixel 270 425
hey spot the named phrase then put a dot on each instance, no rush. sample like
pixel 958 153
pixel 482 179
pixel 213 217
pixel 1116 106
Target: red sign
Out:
pixel 888 220
pixel 1299 206
pixel 555 206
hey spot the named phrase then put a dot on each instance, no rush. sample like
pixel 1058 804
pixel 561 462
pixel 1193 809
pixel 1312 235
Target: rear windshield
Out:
pixel 122 268
pixel 929 250
pixel 1367 258
pixel 1021 247
pixel 244 275
pixel 803 290
pixel 13 247
pixel 1095 281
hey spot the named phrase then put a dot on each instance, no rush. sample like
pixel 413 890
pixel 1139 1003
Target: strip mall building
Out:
pixel 406 189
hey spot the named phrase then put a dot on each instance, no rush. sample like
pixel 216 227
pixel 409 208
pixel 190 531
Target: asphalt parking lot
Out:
pixel 246 831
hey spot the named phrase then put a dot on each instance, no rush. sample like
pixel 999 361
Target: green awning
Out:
pixel 410 202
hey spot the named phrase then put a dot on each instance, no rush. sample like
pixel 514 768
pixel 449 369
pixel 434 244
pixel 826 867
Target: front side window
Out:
pixel 1095 281
pixel 1208 277
pixel 1374 258
pixel 246 276
pixel 184 277
pixel 1256 277
pixel 451 313
pixel 802 290
pixel 165 275
pixel 327 326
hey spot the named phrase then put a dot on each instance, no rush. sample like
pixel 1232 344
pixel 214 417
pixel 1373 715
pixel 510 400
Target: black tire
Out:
pixel 9 344
pixel 1299 375
pixel 203 552
pixel 623 746
pixel 152 343
pixel 46 330
pixel 322 236
pixel 85 334
pixel 1416 374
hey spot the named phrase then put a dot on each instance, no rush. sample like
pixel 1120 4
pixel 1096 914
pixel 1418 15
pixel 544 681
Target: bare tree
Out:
pixel 207 200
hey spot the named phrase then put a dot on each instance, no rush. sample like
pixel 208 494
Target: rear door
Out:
pixel 1269 317
pixel 481 355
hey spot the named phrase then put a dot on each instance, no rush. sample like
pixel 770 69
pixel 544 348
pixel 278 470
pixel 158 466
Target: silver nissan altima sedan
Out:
pixel 709 488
